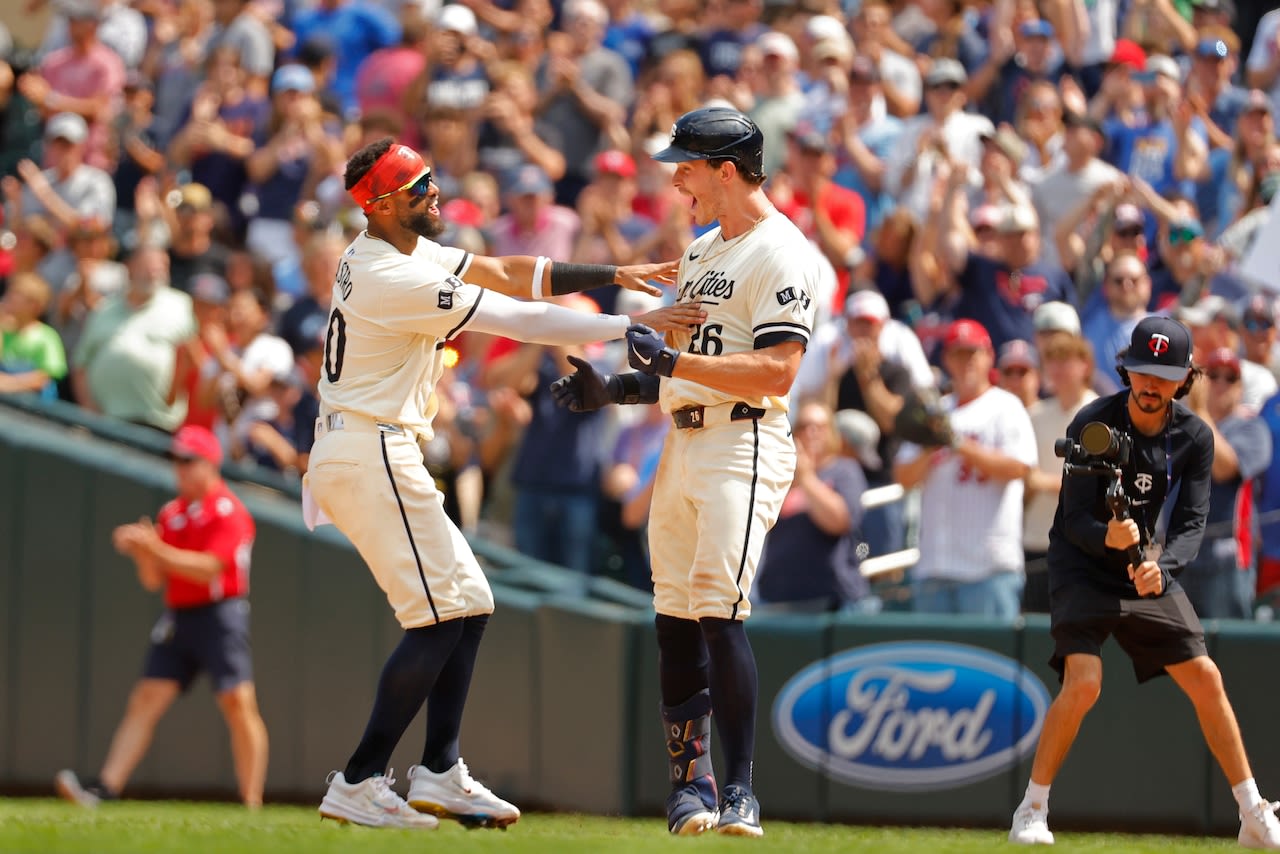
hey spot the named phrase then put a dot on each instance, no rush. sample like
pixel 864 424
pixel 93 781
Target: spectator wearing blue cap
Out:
pixel 1213 67
pixel 535 225
pixel 355 29
pixel 293 152
pixel 1001 82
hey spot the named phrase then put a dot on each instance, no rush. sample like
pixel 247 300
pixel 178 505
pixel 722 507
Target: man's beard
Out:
pixel 422 222
pixel 1147 405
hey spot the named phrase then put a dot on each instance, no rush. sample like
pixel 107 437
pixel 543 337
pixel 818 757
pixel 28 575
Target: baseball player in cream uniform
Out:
pixel 397 298
pixel 727 465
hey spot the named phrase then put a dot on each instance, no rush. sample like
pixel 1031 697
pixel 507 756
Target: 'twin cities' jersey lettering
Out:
pixel 757 290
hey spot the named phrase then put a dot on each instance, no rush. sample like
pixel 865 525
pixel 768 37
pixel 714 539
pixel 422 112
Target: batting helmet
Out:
pixel 716 133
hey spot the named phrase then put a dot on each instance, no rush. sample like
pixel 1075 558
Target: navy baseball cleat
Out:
pixel 739 812
pixel 691 806
pixel 687 810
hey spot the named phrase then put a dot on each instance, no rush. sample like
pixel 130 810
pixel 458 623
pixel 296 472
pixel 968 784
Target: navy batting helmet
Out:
pixel 716 133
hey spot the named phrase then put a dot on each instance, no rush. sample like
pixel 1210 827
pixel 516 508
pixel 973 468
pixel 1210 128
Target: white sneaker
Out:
pixel 372 803
pixel 1030 826
pixel 1259 827
pixel 68 787
pixel 454 794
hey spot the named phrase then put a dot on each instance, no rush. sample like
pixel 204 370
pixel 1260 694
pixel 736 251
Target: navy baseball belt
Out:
pixel 696 417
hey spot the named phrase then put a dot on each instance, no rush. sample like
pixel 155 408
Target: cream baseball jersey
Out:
pixel 757 290
pixel 391 314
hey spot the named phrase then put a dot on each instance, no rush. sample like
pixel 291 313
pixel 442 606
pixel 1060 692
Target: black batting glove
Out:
pixel 586 389
pixel 648 353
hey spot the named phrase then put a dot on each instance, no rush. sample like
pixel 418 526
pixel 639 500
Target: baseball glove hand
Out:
pixel 586 389
pixel 921 421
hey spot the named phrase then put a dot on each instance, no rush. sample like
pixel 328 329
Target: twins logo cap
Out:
pixel 1159 347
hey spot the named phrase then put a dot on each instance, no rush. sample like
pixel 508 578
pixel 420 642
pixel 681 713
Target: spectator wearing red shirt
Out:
pixel 198 552
pixel 833 217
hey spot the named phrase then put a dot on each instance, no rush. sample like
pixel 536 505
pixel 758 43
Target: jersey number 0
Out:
pixel 335 343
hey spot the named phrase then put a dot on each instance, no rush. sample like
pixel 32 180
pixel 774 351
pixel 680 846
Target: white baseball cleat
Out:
pixel 1259 827
pixel 372 803
pixel 1031 827
pixel 454 794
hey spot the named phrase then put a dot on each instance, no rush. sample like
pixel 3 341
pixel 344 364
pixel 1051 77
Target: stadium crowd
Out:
pixel 1052 170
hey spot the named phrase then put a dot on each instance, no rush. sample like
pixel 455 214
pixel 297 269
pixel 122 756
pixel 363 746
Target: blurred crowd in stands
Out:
pixel 173 212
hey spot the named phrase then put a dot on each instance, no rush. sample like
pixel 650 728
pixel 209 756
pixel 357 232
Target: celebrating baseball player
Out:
pixel 726 468
pixel 396 299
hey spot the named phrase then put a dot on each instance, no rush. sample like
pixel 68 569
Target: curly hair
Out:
pixel 362 161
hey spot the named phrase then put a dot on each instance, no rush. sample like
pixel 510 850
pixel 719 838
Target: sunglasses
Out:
pixel 943 87
pixel 417 188
pixel 1124 279
pixel 1129 232
pixel 1180 234
pixel 1223 376
pixel 1255 324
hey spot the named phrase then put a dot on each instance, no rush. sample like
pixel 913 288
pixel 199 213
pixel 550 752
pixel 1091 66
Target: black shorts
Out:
pixel 1154 633
pixel 213 639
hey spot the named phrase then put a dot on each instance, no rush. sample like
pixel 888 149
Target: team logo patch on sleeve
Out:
pixel 790 294
pixel 445 300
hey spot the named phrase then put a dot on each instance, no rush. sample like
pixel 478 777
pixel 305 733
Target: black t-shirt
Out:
pixel 1077 553
pixel 897 379
pixel 183 268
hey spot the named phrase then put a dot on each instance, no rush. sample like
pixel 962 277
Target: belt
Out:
pixel 695 417
pixel 349 421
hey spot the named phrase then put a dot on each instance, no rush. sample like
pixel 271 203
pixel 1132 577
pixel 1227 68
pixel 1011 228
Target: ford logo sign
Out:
pixel 911 716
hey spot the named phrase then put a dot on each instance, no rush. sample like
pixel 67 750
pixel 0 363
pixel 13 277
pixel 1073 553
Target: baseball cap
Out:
pixel 195 196
pixel 1159 347
pixel 1165 66
pixel 967 334
pixel 1084 120
pixel 210 288
pixel 615 162
pixel 809 138
pixel 193 442
pixel 864 70
pixel 945 70
pixel 1257 102
pixel 823 27
pixel 1259 312
pixel 1039 28
pixel 457 19
pixel 868 305
pixel 1185 231
pixel 774 43
pixel 68 126
pixel 1017 353
pixel 1128 214
pixel 1204 312
pixel 1056 317
pixel 1128 53
pixel 529 180
pixel 1007 141
pixel 1223 357
pixel 463 212
pixel 1212 49
pixel 1017 219
pixel 861 433
pixel 293 78
pixel 81 10
pixel 985 216
pixel 834 48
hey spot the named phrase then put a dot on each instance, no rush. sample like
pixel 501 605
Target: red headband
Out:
pixel 396 169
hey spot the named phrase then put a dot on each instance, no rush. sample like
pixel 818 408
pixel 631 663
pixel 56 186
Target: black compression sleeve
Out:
pixel 639 388
pixel 567 278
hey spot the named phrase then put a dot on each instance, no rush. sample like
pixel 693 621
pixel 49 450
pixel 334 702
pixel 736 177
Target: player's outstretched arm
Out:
pixel 548 323
pixel 527 277
pixel 586 389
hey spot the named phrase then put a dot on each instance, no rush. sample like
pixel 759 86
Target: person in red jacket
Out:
pixel 198 551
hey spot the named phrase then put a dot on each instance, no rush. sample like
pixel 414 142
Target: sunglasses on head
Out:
pixel 417 188
pixel 1182 234
pixel 1223 376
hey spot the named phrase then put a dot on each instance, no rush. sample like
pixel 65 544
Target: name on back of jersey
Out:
pixel 342 279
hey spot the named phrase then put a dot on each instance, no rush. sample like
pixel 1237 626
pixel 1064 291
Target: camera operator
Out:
pixel 1095 590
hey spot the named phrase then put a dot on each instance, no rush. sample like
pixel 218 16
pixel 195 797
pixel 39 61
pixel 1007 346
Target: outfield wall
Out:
pixel 893 718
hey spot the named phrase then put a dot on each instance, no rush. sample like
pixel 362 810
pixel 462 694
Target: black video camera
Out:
pixel 1101 452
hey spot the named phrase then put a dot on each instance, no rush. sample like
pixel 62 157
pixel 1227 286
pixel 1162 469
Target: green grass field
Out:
pixel 51 827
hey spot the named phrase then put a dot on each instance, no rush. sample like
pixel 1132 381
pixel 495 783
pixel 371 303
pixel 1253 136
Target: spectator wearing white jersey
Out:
pixel 971 559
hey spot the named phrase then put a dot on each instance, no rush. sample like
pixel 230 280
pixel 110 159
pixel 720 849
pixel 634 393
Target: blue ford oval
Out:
pixel 911 716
